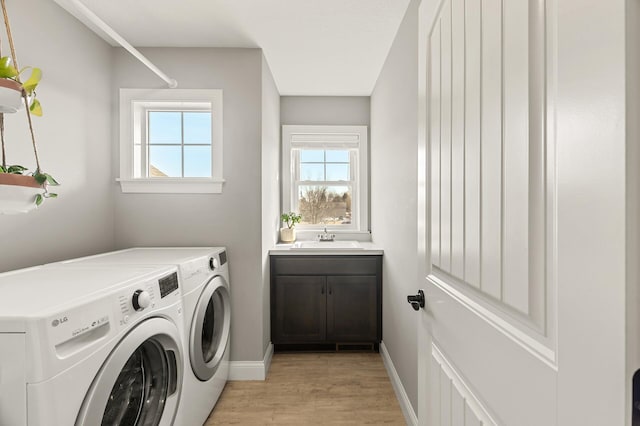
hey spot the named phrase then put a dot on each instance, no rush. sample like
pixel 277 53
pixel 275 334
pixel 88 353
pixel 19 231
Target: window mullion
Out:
pixel 324 164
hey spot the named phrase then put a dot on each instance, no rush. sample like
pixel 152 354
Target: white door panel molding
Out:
pixel 488 146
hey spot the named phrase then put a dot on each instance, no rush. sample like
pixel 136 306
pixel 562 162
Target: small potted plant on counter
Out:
pixel 288 233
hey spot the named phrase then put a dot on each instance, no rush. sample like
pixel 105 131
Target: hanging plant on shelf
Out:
pixel 12 90
pixel 20 190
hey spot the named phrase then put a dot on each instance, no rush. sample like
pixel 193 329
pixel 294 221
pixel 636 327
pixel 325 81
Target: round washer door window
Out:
pixel 140 391
pixel 210 329
pixel 139 383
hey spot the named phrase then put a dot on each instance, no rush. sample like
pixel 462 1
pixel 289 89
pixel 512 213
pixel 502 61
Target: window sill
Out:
pixel 171 186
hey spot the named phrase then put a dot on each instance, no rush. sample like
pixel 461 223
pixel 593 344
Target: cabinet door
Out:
pixel 352 308
pixel 300 308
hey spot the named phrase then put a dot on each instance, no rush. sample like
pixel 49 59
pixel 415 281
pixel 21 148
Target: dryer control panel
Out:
pixel 168 284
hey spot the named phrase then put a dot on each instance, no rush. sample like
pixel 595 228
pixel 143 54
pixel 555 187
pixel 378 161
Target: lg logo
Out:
pixel 56 322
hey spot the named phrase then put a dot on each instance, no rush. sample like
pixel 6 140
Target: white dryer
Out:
pixel 90 346
pixel 204 278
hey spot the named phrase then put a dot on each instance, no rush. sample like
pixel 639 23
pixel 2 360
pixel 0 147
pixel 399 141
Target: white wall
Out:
pixel 633 197
pixel 325 110
pixel 394 151
pixel 270 187
pixel 73 136
pixel 233 218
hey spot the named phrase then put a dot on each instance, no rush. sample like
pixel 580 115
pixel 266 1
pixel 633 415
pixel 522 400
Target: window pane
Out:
pixel 197 127
pixel 337 172
pixel 337 156
pixel 164 127
pixel 165 161
pixel 311 171
pixel 311 156
pixel 326 205
pixel 197 161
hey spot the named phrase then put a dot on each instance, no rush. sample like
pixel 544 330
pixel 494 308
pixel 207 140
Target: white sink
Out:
pixel 326 245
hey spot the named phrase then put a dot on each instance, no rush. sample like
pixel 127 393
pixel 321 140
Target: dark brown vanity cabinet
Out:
pixel 326 299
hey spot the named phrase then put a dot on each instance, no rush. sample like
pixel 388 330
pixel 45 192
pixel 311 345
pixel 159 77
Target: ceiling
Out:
pixel 313 47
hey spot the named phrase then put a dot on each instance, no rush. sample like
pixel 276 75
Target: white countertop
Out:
pixel 365 249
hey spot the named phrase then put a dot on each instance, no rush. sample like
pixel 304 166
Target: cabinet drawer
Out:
pixel 325 265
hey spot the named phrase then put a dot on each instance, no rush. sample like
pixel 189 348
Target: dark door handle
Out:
pixel 417 300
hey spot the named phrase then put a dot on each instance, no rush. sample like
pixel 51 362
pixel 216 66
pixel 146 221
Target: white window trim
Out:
pixel 132 101
pixel 360 195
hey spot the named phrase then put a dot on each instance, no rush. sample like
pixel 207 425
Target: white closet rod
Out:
pixel 84 10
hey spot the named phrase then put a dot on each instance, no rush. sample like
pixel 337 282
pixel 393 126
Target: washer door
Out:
pixel 139 384
pixel 209 335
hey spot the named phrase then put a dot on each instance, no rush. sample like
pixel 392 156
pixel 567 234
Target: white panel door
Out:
pixel 494 234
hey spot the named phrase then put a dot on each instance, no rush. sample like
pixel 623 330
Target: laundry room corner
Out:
pixel 234 217
pixel 270 197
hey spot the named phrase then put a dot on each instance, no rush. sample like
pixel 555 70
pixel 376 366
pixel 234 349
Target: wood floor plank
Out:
pixel 313 389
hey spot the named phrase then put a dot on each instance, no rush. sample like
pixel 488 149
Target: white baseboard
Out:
pixel 407 410
pixel 251 370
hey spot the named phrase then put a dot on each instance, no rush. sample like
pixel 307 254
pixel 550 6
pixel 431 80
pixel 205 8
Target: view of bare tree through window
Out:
pixel 324 191
pixel 325 205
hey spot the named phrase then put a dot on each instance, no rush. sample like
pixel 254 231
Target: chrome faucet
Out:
pixel 325 236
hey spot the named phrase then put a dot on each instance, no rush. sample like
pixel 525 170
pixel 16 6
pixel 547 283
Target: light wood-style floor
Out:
pixel 313 389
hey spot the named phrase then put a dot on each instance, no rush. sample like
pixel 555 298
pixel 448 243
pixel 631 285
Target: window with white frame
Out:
pixel 325 176
pixel 171 141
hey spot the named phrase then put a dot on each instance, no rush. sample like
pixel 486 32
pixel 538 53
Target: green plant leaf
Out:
pixel 51 180
pixel 290 219
pixel 39 199
pixel 36 108
pixel 16 169
pixel 7 70
pixel 30 85
pixel 40 178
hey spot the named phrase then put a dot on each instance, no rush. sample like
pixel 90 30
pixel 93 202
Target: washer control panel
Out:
pixel 76 327
pixel 158 292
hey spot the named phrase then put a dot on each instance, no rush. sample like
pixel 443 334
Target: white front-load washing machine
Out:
pixel 204 278
pixel 90 346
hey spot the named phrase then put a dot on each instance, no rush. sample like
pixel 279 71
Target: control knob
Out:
pixel 141 299
pixel 213 263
